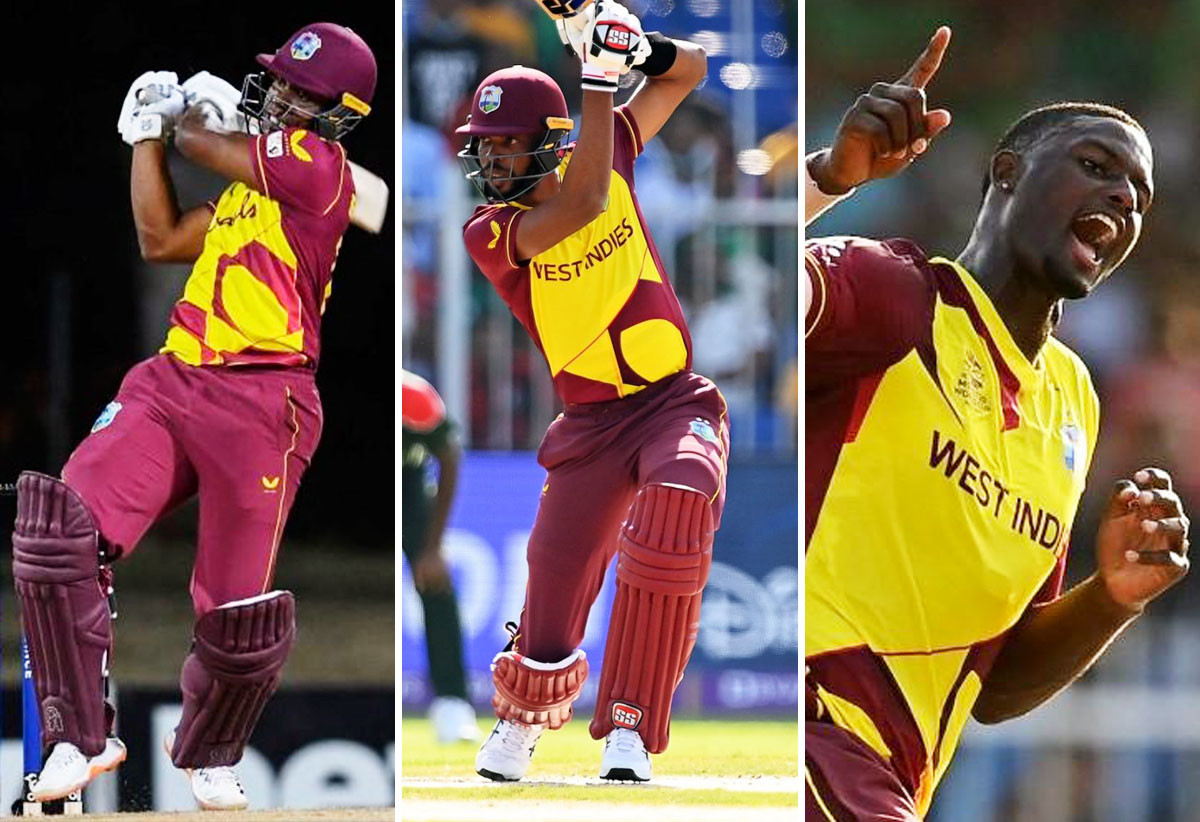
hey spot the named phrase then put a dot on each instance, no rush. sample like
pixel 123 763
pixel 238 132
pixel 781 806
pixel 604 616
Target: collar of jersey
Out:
pixel 1028 373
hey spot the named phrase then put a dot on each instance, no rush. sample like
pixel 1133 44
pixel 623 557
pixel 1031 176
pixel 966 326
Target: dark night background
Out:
pixel 67 211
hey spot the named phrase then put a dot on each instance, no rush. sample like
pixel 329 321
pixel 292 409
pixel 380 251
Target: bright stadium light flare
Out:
pixel 774 44
pixel 714 42
pixel 754 161
pixel 703 8
pixel 660 8
pixel 738 76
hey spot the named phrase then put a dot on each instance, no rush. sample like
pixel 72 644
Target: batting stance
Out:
pixel 228 409
pixel 636 463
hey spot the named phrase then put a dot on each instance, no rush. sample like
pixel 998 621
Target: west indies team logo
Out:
pixel 305 46
pixel 489 99
pixel 106 416
pixel 1074 447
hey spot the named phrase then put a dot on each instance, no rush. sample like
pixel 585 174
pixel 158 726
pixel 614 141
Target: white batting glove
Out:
pixel 610 45
pixel 145 80
pixel 217 99
pixel 570 29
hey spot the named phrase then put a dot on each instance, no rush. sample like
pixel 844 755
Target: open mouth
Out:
pixel 1095 232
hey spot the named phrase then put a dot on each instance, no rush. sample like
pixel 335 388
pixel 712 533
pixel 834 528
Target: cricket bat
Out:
pixel 562 9
pixel 370 199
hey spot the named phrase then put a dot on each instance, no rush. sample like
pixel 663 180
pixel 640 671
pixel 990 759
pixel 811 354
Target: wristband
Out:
pixel 597 79
pixel 662 54
pixel 816 201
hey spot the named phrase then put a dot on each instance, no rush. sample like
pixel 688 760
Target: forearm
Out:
pixel 1050 648
pixel 585 184
pixel 155 206
pixel 687 67
pixel 225 154
pixel 817 198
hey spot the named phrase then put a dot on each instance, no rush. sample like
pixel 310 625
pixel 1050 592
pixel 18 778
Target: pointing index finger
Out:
pixel 921 72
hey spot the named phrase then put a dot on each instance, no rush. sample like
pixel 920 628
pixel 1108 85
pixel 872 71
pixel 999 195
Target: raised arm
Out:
pixel 164 234
pixel 672 70
pixel 885 130
pixel 584 187
pixel 227 155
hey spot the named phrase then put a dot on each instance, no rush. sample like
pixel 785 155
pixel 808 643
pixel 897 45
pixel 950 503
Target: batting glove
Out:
pixel 610 45
pixel 217 99
pixel 145 80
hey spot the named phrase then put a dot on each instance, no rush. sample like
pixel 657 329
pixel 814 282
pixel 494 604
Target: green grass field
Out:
pixel 735 765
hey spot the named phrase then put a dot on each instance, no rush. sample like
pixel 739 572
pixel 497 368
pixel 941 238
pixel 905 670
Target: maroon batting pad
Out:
pixel 665 553
pixel 56 566
pixel 537 693
pixel 238 652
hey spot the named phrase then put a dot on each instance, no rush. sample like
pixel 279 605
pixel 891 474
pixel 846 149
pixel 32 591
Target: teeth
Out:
pixel 1104 218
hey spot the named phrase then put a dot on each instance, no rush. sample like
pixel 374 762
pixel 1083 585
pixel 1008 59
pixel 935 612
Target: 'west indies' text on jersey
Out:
pixel 257 292
pixel 598 304
pixel 942 474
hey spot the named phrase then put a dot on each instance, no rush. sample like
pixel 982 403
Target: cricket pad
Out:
pixel 537 693
pixel 56 566
pixel 238 653
pixel 665 551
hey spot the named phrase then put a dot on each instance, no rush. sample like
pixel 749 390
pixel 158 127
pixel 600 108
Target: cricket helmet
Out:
pixel 325 61
pixel 516 101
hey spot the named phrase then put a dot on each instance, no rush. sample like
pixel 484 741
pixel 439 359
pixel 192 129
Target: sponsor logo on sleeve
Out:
pixel 106 416
pixel 703 430
pixel 275 144
pixel 269 484
pixel 625 715
pixel 305 46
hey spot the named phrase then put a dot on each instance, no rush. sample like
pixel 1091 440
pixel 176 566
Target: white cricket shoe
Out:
pixel 505 754
pixel 453 720
pixel 625 757
pixel 68 770
pixel 215 789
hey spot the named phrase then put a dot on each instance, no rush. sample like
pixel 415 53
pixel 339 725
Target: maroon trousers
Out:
pixel 241 437
pixel 596 457
pixel 845 780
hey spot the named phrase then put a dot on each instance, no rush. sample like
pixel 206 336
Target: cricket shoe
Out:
pixel 68 769
pixel 505 754
pixel 453 720
pixel 625 757
pixel 215 789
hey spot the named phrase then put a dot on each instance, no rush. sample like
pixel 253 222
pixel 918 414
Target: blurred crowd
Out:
pixel 733 141
pixel 1139 333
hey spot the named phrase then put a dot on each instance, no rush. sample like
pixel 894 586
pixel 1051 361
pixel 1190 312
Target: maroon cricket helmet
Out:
pixel 516 100
pixel 326 60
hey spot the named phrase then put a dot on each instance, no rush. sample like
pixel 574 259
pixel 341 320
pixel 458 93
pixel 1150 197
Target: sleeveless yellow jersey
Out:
pixel 943 471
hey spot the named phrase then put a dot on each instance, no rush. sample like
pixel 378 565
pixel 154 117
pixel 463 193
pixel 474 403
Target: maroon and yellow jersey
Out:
pixel 942 474
pixel 257 292
pixel 598 304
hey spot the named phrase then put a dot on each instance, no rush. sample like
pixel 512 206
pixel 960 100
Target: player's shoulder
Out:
pixel 487 213
pixel 421 406
pixel 865 259
pixel 302 145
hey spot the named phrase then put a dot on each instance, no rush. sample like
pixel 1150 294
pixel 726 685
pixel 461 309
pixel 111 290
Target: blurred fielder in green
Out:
pixel 428 435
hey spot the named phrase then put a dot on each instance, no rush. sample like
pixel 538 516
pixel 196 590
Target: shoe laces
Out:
pixel 626 741
pixel 63 755
pixel 220 777
pixel 516 738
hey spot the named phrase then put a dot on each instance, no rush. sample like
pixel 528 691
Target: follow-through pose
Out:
pixel 227 410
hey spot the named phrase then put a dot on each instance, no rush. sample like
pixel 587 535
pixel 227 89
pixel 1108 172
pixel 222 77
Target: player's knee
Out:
pixel 666 543
pixel 55 538
pixel 695 471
